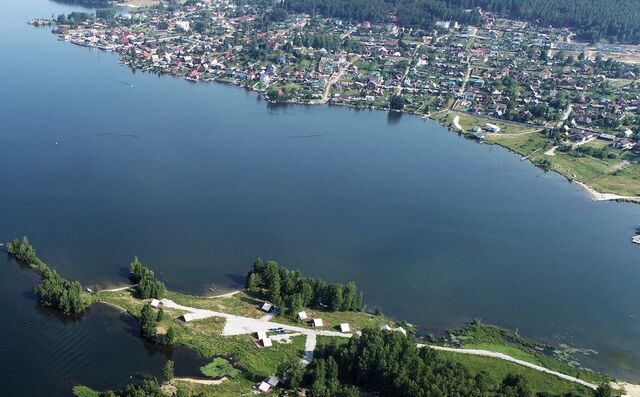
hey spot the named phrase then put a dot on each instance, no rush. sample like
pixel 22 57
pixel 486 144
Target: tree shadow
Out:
pixel 236 279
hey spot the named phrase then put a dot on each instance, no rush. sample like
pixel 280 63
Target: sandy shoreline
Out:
pixel 597 196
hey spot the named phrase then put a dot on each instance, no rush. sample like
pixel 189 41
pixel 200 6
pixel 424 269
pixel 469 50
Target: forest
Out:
pixel 592 20
pixel 146 284
pixel 292 293
pixel 390 364
pixel 53 290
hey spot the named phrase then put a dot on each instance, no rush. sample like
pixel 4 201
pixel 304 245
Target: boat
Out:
pixel 636 239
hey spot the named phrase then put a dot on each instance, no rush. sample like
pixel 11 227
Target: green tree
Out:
pixel 167 370
pixel 396 102
pixel 603 390
pixel 291 373
pixel 135 270
pixel 148 322
pixel 335 297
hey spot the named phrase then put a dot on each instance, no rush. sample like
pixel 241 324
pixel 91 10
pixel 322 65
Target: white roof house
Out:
pixel 344 327
pixel 266 342
pixel 264 387
pixel 317 322
pixel 401 330
pixel 155 303
pixel 183 25
pixel 261 335
pixel 194 316
pixel 266 307
pixel 303 315
pixel 273 381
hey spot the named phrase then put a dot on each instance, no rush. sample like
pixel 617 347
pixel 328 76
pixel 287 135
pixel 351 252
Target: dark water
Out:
pixel 199 180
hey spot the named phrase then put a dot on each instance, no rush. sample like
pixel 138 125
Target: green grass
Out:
pixel 506 349
pixel 604 175
pixel 356 320
pixel 84 391
pixel 205 337
pixel 487 337
pixel 496 370
pixel 467 121
pixel 239 304
pixel 232 388
pixel 219 368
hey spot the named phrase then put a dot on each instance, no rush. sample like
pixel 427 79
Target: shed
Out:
pixel 344 327
pixel 261 335
pixel 187 317
pixel 303 315
pixel 273 381
pixel 155 303
pixel 266 307
pixel 491 127
pixel 264 387
pixel 266 342
pixel 317 322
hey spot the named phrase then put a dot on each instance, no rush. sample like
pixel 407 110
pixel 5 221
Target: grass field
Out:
pixel 257 363
pixel 487 337
pixel 604 175
pixel 496 370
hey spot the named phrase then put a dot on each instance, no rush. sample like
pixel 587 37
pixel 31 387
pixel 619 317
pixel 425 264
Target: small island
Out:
pixel 287 332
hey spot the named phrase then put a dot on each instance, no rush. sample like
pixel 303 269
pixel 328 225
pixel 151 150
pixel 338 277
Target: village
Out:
pixel 504 76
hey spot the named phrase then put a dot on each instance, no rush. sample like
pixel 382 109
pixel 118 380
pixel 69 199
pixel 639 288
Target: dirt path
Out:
pixel 200 381
pixel 225 295
pixel 119 288
pixel 502 356
pixel 335 77
pixel 456 123
pixel 238 325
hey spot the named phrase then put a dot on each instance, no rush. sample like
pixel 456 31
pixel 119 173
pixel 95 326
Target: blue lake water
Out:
pixel 200 179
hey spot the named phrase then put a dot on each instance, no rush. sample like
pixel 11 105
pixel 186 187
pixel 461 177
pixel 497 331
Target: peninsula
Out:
pixel 292 333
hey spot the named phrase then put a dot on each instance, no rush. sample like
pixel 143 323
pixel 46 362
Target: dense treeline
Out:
pixel 358 10
pixel 291 292
pixel 148 388
pixel 148 326
pixel 147 286
pixel 53 290
pixel 390 364
pixel 616 20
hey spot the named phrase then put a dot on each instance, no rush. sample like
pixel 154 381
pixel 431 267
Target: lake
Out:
pixel 200 179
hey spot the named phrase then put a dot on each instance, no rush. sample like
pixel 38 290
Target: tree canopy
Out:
pixel 292 292
pixel 615 20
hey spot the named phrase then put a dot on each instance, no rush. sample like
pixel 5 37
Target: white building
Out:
pixel 344 327
pixel 317 322
pixel 183 25
pixel 491 128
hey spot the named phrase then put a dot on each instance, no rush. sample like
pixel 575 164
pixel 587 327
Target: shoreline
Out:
pixel 453 126
pixel 598 196
pixel 630 389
